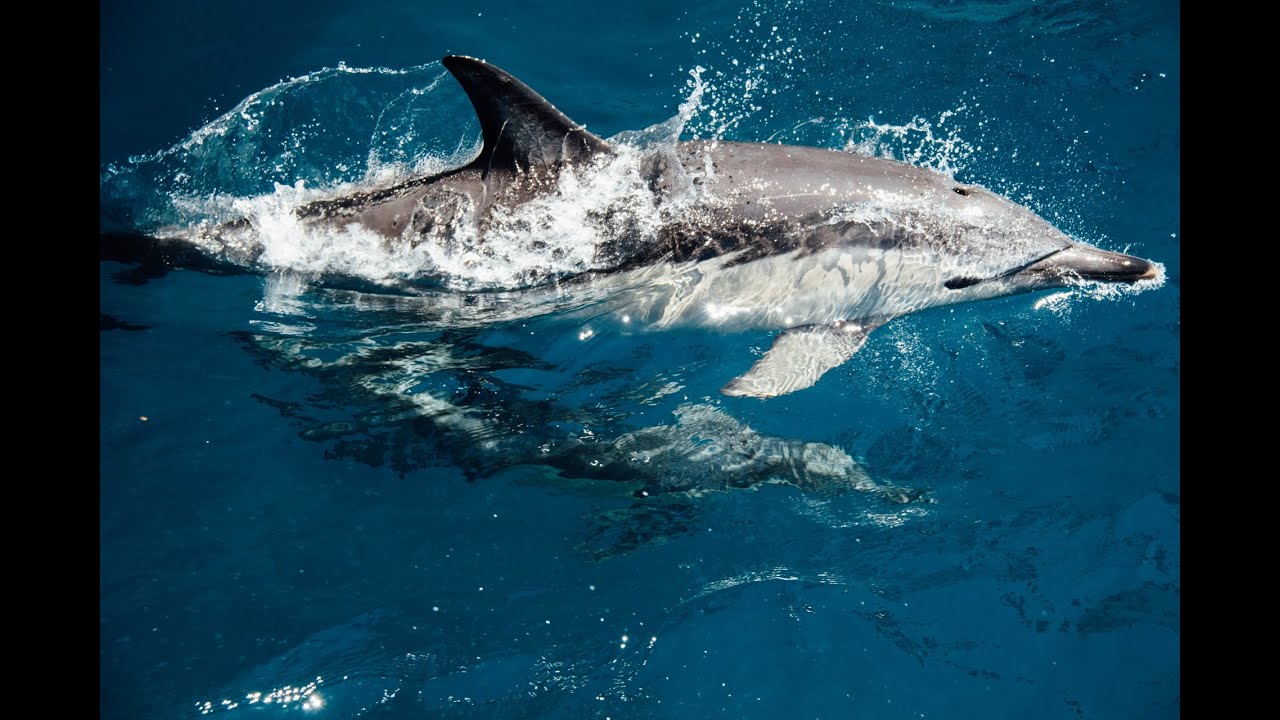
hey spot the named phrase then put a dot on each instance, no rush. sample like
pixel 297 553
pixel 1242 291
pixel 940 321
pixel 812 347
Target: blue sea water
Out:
pixel 310 495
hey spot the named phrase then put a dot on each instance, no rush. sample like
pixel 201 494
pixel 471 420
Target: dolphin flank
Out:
pixel 821 245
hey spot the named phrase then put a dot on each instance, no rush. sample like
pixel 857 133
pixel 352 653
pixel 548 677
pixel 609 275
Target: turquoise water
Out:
pixel 314 492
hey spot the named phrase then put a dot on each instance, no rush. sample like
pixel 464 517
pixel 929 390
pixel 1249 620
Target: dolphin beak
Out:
pixel 1090 263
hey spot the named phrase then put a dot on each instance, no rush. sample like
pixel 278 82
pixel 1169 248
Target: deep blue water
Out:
pixel 275 508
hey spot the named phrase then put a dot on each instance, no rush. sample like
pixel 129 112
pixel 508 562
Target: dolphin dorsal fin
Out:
pixel 521 130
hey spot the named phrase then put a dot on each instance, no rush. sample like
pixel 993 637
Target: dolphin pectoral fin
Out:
pixel 799 357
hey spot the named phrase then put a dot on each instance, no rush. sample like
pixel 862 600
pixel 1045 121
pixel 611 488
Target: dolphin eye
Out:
pixel 961 191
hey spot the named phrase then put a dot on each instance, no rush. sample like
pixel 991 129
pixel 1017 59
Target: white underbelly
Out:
pixel 790 290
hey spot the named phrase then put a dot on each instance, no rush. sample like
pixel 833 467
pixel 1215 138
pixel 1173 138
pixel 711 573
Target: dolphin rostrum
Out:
pixel 822 245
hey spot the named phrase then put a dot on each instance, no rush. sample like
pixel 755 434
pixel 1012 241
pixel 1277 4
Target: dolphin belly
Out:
pixel 798 288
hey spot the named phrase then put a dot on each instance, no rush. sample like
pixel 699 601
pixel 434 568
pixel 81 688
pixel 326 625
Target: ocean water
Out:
pixel 329 499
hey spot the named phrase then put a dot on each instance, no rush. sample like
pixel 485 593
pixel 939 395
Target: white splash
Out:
pixel 1058 303
pixel 557 234
pixel 914 142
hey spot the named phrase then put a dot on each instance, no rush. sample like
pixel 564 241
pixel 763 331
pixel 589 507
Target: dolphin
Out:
pixel 820 245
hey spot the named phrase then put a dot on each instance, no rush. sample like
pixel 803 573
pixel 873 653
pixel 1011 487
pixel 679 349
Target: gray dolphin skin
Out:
pixel 821 245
